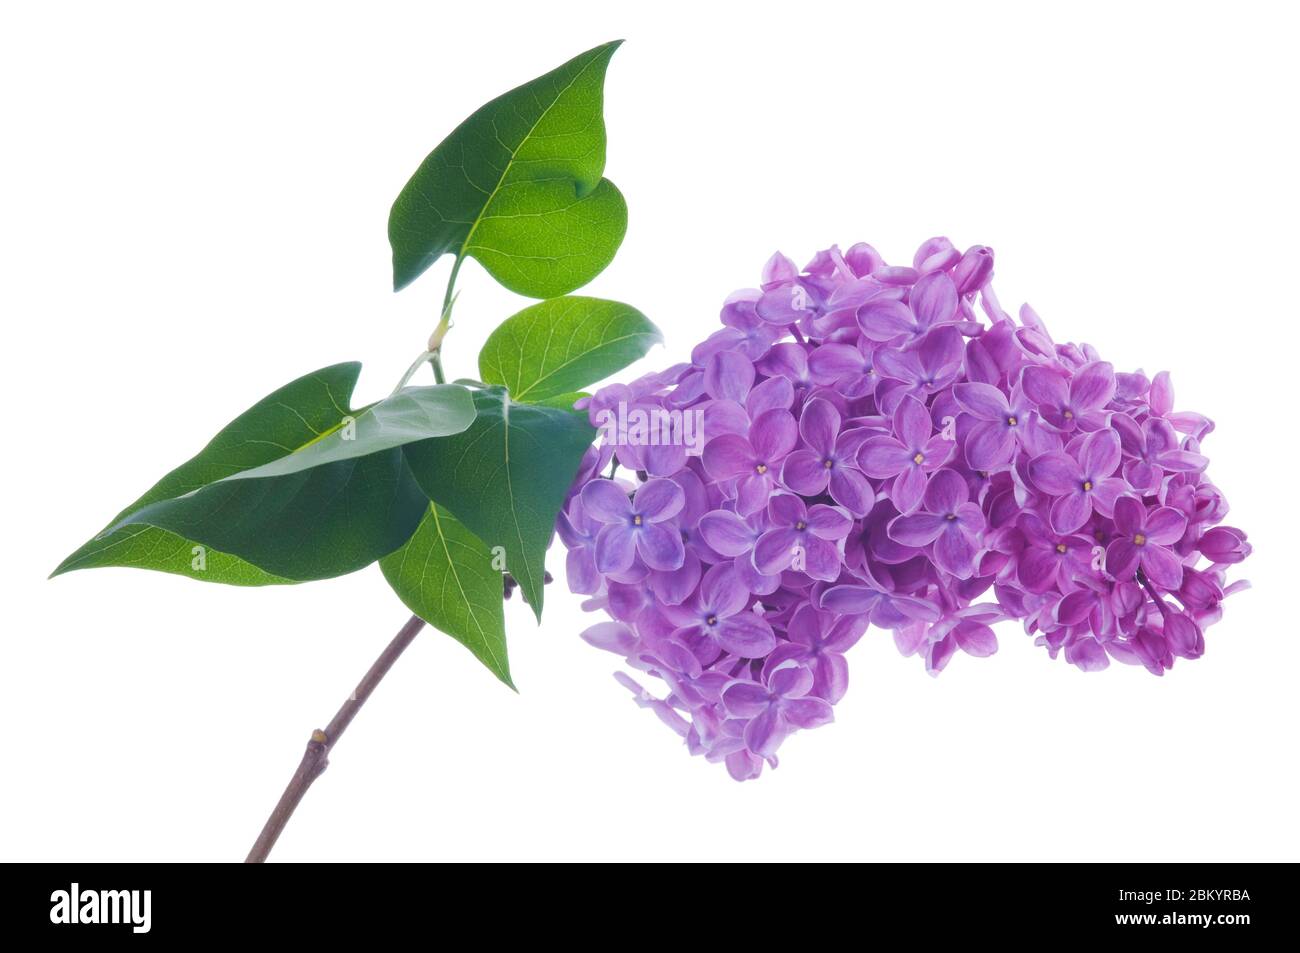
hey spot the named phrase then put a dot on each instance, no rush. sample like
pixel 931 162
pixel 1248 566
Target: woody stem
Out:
pixel 316 758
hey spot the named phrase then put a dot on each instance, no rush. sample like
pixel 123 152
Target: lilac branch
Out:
pixel 316 758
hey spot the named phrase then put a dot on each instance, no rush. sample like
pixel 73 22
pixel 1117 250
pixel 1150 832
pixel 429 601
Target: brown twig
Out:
pixel 316 758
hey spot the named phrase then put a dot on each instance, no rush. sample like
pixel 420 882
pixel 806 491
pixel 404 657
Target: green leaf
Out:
pixel 562 401
pixel 506 477
pixel 518 186
pixel 444 575
pixel 414 413
pixel 564 344
pixel 330 518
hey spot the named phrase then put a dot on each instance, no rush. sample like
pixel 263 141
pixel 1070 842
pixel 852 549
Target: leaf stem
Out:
pixel 410 371
pixel 316 758
pixel 444 322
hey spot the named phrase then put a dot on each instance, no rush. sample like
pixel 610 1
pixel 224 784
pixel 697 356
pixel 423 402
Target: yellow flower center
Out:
pixel 919 458
pixel 636 521
pixel 1139 539
pixel 1011 421
pixel 1087 486
pixel 1060 548
pixel 828 464
pixel 761 469
pixel 1068 415
pixel 711 620
pixel 801 525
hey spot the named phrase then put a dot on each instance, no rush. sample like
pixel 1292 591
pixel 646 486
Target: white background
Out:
pixel 194 210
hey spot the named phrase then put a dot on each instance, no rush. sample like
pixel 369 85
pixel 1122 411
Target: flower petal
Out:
pixel 850 600
pixel 946 492
pixel 658 500
pixel 1037 568
pixel 804 472
pixel 726 533
pixel 745 699
pixel 821 559
pixel 773 435
pixel 828 522
pixel 819 425
pixel 975 638
pixel 807 712
pixel 912 423
pixel 721 592
pixel 1161 567
pixel 882 457
pixel 908 489
pixel 615 548
pixel 1044 386
pixel 982 400
pixel 918 530
pixel 774 550
pixel 790 680
pixel 1164 525
pixel 1055 473
pixel 764 733
pixel 1070 512
pixel 727 456
pixel 745 635
pixel 883 319
pixel 990 445
pixel 775 393
pixel 834 362
pixel 606 501
pixel 934 299
pixel 850 489
pixel 1121 558
pixel 954 552
pixel 1100 454
pixel 1092 387
pixel 1129 514
pixel 728 375
pixel 660 546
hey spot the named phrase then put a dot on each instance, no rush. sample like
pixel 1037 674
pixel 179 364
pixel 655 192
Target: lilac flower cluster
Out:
pixel 874 451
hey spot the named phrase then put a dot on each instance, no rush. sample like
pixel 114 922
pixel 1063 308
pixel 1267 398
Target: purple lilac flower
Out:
pixel 848 368
pixel 949 523
pixel 817 642
pixel 771 710
pixel 735 537
pixel 1049 558
pixel 634 527
pixel 876 453
pixel 1141 536
pixel 908 457
pixel 1074 400
pixel 802 538
pixel 1080 479
pixel 717 619
pixel 754 461
pixel 992 442
pixel 830 461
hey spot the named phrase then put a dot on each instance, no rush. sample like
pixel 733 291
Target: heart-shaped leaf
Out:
pixel 353 502
pixel 562 345
pixel 506 477
pixel 444 574
pixel 518 186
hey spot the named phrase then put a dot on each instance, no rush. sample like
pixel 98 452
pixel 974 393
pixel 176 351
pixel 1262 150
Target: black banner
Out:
pixel 142 903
